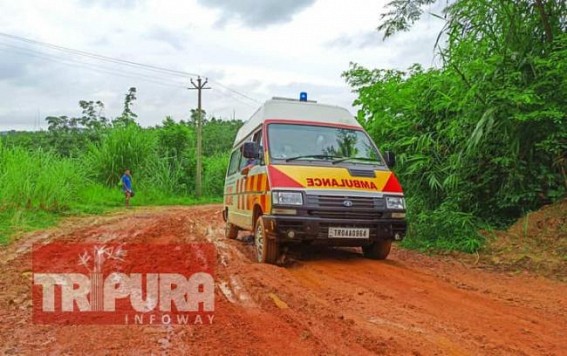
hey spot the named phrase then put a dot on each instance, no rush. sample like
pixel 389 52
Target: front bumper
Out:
pixel 315 230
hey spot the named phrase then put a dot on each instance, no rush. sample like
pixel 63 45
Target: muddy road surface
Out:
pixel 330 302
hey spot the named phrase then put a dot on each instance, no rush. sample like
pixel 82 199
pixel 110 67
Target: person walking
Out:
pixel 127 186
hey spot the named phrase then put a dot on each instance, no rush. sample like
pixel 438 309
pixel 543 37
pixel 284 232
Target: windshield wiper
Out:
pixel 311 156
pixel 359 158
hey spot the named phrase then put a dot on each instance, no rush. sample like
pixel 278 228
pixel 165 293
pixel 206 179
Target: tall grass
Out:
pixel 128 147
pixel 38 179
pixel 37 187
pixel 214 173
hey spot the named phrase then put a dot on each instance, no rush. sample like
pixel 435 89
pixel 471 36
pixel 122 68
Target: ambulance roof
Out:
pixel 289 109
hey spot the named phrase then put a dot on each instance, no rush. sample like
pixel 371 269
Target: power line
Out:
pixel 236 92
pixel 95 68
pixel 229 95
pixel 99 56
pixel 148 67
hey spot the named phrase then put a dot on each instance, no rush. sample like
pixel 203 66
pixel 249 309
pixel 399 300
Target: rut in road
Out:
pixel 324 302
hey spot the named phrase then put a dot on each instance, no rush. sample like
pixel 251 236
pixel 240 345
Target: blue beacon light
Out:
pixel 303 96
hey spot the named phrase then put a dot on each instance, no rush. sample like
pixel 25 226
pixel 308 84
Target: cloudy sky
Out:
pixel 249 50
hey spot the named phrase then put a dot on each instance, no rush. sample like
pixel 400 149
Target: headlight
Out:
pixel 287 198
pixel 395 203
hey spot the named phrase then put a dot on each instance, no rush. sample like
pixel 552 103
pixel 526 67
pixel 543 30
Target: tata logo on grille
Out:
pixel 347 203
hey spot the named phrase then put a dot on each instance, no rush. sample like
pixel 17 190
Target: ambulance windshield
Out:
pixel 292 142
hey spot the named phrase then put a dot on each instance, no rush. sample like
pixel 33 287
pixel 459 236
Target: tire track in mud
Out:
pixel 323 302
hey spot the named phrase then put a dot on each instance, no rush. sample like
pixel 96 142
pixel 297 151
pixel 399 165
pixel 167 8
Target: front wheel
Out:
pixel 379 250
pixel 267 250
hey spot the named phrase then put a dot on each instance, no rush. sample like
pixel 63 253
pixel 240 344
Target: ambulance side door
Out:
pixel 239 212
pixel 231 193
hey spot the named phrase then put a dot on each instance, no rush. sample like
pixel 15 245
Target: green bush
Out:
pixel 482 139
pixel 38 179
pixel 124 147
pixel 214 171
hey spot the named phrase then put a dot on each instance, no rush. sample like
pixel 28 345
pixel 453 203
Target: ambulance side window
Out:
pixel 234 162
pixel 243 160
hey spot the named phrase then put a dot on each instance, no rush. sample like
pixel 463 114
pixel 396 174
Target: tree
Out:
pixel 92 115
pixel 482 139
pixel 402 15
pixel 128 117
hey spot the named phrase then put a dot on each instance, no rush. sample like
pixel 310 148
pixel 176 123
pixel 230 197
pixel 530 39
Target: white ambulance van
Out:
pixel 305 173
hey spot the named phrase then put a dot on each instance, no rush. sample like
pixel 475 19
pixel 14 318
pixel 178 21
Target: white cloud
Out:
pixel 257 14
pixel 304 46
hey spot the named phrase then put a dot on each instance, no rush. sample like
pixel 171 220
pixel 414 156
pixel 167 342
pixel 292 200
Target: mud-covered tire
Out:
pixel 267 250
pixel 379 250
pixel 230 231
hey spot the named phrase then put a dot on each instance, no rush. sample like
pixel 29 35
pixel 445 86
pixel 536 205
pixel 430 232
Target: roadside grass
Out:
pixel 93 200
pixel 443 229
pixel 17 221
pixel 38 188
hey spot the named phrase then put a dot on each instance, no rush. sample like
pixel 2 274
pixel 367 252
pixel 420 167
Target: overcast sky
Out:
pixel 249 50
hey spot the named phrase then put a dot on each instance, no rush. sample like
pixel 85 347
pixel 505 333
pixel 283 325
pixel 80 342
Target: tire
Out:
pixel 379 250
pixel 230 231
pixel 267 250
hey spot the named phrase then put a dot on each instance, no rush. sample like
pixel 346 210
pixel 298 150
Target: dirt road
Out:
pixel 324 302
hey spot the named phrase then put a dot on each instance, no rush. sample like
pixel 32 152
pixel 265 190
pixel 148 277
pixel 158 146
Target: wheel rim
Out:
pixel 259 242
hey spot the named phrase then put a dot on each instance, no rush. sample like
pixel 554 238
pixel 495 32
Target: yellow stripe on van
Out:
pixel 333 178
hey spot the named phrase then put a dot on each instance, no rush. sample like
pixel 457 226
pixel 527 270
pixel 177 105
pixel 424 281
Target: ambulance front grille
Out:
pixel 345 207
pixel 346 214
pixel 345 202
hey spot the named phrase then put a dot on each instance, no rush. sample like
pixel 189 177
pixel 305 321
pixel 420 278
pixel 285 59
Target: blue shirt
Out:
pixel 126 182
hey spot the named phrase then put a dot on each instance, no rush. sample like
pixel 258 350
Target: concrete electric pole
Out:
pixel 198 175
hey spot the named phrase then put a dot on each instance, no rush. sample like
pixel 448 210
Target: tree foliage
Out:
pixel 401 15
pixel 161 158
pixel 482 139
pixel 128 117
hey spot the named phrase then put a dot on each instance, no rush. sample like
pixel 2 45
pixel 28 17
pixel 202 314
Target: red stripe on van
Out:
pixel 279 179
pixel 259 181
pixel 263 203
pixel 311 123
pixel 252 182
pixel 393 185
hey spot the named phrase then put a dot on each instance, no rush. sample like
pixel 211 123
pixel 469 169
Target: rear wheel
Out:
pixel 267 250
pixel 379 250
pixel 230 231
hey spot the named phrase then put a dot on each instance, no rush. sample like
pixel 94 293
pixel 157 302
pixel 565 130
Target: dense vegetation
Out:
pixel 75 166
pixel 482 139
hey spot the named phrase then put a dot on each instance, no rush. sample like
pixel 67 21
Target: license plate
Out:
pixel 348 233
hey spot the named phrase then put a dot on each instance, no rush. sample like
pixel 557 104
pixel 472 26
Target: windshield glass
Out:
pixel 304 142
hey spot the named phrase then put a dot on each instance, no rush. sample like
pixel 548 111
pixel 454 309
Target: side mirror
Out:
pixel 390 158
pixel 250 150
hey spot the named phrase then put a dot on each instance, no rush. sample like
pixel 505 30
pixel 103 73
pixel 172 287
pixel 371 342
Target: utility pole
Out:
pixel 199 87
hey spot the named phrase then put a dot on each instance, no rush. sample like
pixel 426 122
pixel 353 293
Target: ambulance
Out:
pixel 303 173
